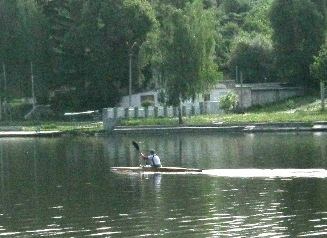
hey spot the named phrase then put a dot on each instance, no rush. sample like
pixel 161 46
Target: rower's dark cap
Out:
pixel 152 152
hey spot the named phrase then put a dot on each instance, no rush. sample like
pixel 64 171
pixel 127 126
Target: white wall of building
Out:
pixel 248 94
pixel 136 99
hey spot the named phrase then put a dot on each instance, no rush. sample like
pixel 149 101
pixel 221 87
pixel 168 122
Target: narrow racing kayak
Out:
pixel 236 173
pixel 150 169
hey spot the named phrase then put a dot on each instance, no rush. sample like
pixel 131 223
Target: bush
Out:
pixel 49 127
pixel 15 110
pixel 147 103
pixel 65 101
pixel 290 104
pixel 228 102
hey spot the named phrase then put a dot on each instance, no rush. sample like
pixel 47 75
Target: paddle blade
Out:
pixel 136 145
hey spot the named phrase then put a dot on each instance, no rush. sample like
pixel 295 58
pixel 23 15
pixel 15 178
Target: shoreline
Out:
pixel 220 127
pixel 319 126
pixel 30 133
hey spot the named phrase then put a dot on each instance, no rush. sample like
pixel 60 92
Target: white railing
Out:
pixel 111 115
pixel 160 111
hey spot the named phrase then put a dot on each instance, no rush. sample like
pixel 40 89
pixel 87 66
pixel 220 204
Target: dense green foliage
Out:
pixel 228 102
pixel 78 51
pixel 80 47
pixel 319 65
pixel 299 30
pixel 188 53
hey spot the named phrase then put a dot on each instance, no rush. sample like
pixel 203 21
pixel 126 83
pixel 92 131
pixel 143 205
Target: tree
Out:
pixel 34 40
pixel 257 19
pixel 96 49
pixel 298 32
pixel 319 71
pixel 254 57
pixel 188 53
pixel 239 17
pixel 235 6
pixel 22 40
pixel 251 48
pixel 58 17
pixel 109 29
pixel 174 3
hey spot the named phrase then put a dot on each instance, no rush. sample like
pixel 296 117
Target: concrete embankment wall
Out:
pixel 224 128
pixel 252 95
pixel 264 96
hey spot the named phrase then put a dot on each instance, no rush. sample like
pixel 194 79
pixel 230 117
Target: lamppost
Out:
pixel 33 91
pixel 130 72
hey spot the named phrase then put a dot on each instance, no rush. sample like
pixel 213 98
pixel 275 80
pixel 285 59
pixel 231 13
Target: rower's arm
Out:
pixel 143 156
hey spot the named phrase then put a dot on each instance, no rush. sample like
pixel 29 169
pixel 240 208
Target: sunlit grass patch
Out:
pixel 149 121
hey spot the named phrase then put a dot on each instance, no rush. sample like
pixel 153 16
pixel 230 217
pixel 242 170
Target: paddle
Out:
pixel 137 147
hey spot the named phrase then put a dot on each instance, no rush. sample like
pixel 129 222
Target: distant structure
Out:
pixel 248 94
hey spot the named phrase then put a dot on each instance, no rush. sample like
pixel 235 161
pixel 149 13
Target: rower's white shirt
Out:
pixel 154 159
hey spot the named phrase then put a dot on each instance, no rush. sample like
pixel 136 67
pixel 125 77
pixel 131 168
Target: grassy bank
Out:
pixel 84 127
pixel 264 117
pixel 302 109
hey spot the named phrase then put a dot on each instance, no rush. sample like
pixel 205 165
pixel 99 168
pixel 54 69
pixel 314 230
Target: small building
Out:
pixel 214 95
pixel 138 98
pixel 248 94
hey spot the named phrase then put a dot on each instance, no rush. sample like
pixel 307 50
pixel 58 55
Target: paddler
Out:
pixel 152 159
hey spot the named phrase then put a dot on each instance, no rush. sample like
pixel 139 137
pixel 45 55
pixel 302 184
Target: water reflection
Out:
pixel 62 187
pixel 281 150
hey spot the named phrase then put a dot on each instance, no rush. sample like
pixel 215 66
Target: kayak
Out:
pixel 142 169
pixel 233 173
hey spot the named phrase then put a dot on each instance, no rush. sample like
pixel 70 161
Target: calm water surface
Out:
pixel 63 187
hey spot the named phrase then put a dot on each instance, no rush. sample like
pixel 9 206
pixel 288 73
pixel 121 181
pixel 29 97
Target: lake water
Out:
pixel 63 187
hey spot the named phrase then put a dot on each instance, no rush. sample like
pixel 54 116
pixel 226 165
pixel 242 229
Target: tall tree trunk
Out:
pixel 180 118
pixel 322 94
